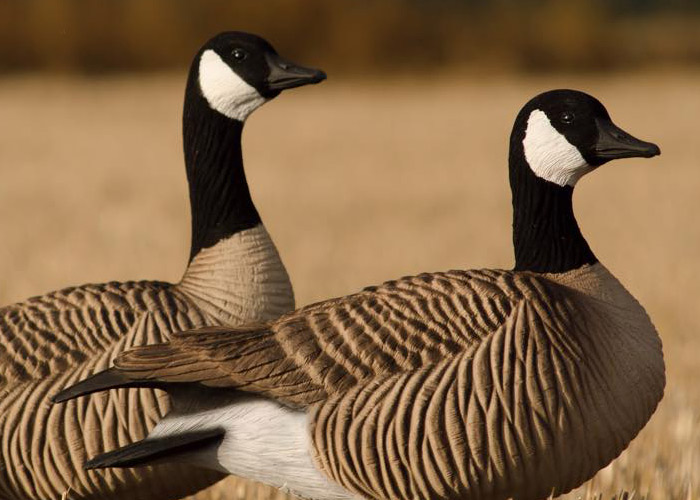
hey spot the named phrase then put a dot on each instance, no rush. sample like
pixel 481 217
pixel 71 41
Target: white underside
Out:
pixel 264 441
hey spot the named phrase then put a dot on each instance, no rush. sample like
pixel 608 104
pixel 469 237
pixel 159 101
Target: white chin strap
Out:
pixel 550 155
pixel 224 90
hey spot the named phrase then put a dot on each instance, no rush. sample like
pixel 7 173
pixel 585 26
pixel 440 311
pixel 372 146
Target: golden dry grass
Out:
pixel 361 182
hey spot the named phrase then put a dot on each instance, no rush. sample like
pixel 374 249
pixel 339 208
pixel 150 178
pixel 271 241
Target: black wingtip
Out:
pixel 150 450
pixel 108 379
pixel 126 456
pixel 96 463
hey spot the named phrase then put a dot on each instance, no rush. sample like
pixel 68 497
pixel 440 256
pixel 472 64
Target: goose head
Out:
pixel 238 72
pixel 558 137
pixel 567 134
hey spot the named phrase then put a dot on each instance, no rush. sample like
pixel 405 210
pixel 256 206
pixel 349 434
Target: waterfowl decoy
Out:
pixel 484 384
pixel 234 275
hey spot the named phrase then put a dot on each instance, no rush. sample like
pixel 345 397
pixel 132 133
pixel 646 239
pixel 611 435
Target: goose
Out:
pixel 235 275
pixel 486 384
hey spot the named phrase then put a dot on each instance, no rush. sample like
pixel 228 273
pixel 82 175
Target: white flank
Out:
pixel 550 155
pixel 264 441
pixel 224 90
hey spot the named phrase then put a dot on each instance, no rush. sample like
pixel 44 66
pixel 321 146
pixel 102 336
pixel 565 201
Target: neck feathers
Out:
pixel 546 236
pixel 219 195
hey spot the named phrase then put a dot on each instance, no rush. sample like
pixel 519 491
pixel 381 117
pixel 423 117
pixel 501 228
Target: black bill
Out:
pixel 287 75
pixel 614 143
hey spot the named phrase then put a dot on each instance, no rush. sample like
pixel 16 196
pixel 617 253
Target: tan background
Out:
pixel 359 182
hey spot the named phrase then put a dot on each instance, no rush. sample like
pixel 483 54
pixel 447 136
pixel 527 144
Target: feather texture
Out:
pixel 553 395
pixel 474 384
pixel 327 347
pixel 52 341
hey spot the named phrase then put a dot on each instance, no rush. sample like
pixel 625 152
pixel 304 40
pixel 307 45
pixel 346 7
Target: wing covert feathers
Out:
pixel 328 347
pixel 50 333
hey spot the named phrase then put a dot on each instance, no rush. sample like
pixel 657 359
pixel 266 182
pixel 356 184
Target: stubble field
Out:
pixel 358 183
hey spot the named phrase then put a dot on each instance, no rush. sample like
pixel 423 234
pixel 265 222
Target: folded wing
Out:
pixel 328 347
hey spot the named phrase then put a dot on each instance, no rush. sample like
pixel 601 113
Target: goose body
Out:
pixel 235 275
pixel 463 384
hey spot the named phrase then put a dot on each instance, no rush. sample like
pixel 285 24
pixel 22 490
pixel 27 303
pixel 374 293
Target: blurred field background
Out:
pixel 395 165
pixel 369 36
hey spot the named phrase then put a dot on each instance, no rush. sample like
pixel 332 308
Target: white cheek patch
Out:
pixel 224 90
pixel 550 155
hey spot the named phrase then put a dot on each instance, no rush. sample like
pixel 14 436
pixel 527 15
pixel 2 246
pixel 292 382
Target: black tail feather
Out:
pixel 102 381
pixel 151 450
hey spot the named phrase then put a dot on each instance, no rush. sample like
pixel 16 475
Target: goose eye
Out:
pixel 239 54
pixel 567 117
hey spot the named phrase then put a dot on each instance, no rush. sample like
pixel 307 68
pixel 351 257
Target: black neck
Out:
pixel 546 237
pixel 219 195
